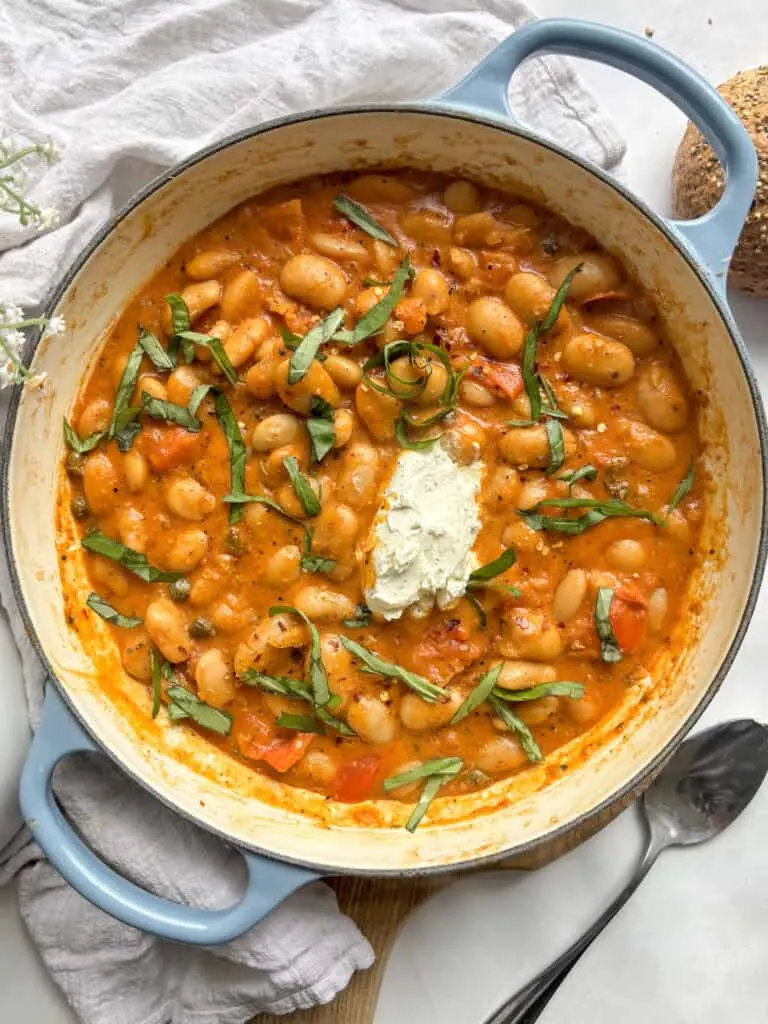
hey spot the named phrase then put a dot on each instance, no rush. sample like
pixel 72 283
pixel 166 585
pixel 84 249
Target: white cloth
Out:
pixel 126 88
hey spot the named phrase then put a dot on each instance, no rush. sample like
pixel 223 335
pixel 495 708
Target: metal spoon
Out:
pixel 704 787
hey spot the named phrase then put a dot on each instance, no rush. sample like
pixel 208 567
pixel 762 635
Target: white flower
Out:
pixel 10 313
pixel 56 325
pixel 14 342
pixel 8 374
pixel 48 218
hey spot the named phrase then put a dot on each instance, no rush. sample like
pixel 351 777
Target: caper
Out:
pixel 201 627
pixel 79 507
pixel 74 463
pixel 233 541
pixel 179 589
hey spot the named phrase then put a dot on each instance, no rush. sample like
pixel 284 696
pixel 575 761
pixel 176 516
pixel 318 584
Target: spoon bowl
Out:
pixel 707 783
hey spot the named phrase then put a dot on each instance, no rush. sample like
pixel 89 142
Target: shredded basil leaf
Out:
pixel 307 349
pixel 551 408
pixel 127 427
pixel 284 686
pixel 197 397
pixel 363 617
pixel 106 611
pixel 125 389
pixel 181 322
pixel 303 723
pixel 237 452
pixel 682 489
pixel 445 766
pixel 159 409
pixel 378 315
pixel 157 689
pixel 530 747
pixel 436 772
pixel 609 645
pixel 378 666
pixel 359 215
pixel 531 380
pixel 302 487
pixel 309 562
pixel 78 444
pixel 447 400
pixel 556 442
pixel 479 695
pixel 203 714
pixel 480 576
pixel 180 318
pixel 322 435
pixel 557 689
pixel 318 677
pixel 572 476
pixel 134 561
pixel 314 563
pixel 291 340
pixel 598 511
pixel 154 350
pixel 216 349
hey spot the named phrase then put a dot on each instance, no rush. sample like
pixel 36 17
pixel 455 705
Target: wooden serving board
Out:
pixel 380 905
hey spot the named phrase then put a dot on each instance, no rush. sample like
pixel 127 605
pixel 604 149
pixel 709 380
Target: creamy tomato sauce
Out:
pixel 435 286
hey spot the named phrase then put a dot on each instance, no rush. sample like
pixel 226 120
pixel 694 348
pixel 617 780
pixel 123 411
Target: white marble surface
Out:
pixel 689 947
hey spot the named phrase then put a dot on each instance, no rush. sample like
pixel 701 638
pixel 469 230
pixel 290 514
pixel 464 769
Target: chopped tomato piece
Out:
pixel 630 593
pixel 285 753
pixel 412 313
pixel 628 623
pixel 169 447
pixel 446 649
pixel 356 780
pixel 505 380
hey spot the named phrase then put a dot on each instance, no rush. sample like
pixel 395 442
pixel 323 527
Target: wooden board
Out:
pixel 380 905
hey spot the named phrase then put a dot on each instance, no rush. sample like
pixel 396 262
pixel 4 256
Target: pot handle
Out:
pixel 58 735
pixel 713 237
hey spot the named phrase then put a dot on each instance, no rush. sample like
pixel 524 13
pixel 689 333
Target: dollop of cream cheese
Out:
pixel 421 550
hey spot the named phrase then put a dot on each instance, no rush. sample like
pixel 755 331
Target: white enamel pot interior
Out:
pixel 188 773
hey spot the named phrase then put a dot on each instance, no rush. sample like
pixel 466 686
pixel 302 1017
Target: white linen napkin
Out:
pixel 125 88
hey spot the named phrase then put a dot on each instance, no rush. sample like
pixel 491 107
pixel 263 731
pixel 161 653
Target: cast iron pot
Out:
pixel 287 836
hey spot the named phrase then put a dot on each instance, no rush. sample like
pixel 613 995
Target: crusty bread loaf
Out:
pixel 698 179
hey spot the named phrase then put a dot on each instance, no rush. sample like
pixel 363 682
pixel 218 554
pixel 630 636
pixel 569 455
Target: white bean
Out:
pixel 284 566
pixel 569 595
pixel 500 754
pixel 320 603
pixel 598 360
pixel 186 550
pixel 372 720
pixel 658 608
pixel 520 675
pixel 418 715
pixel 136 469
pixel 167 628
pixel 275 431
pixel 626 555
pixel 314 280
pixel 213 675
pixel 188 499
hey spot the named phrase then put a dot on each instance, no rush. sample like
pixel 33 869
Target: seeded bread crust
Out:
pixel 697 179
